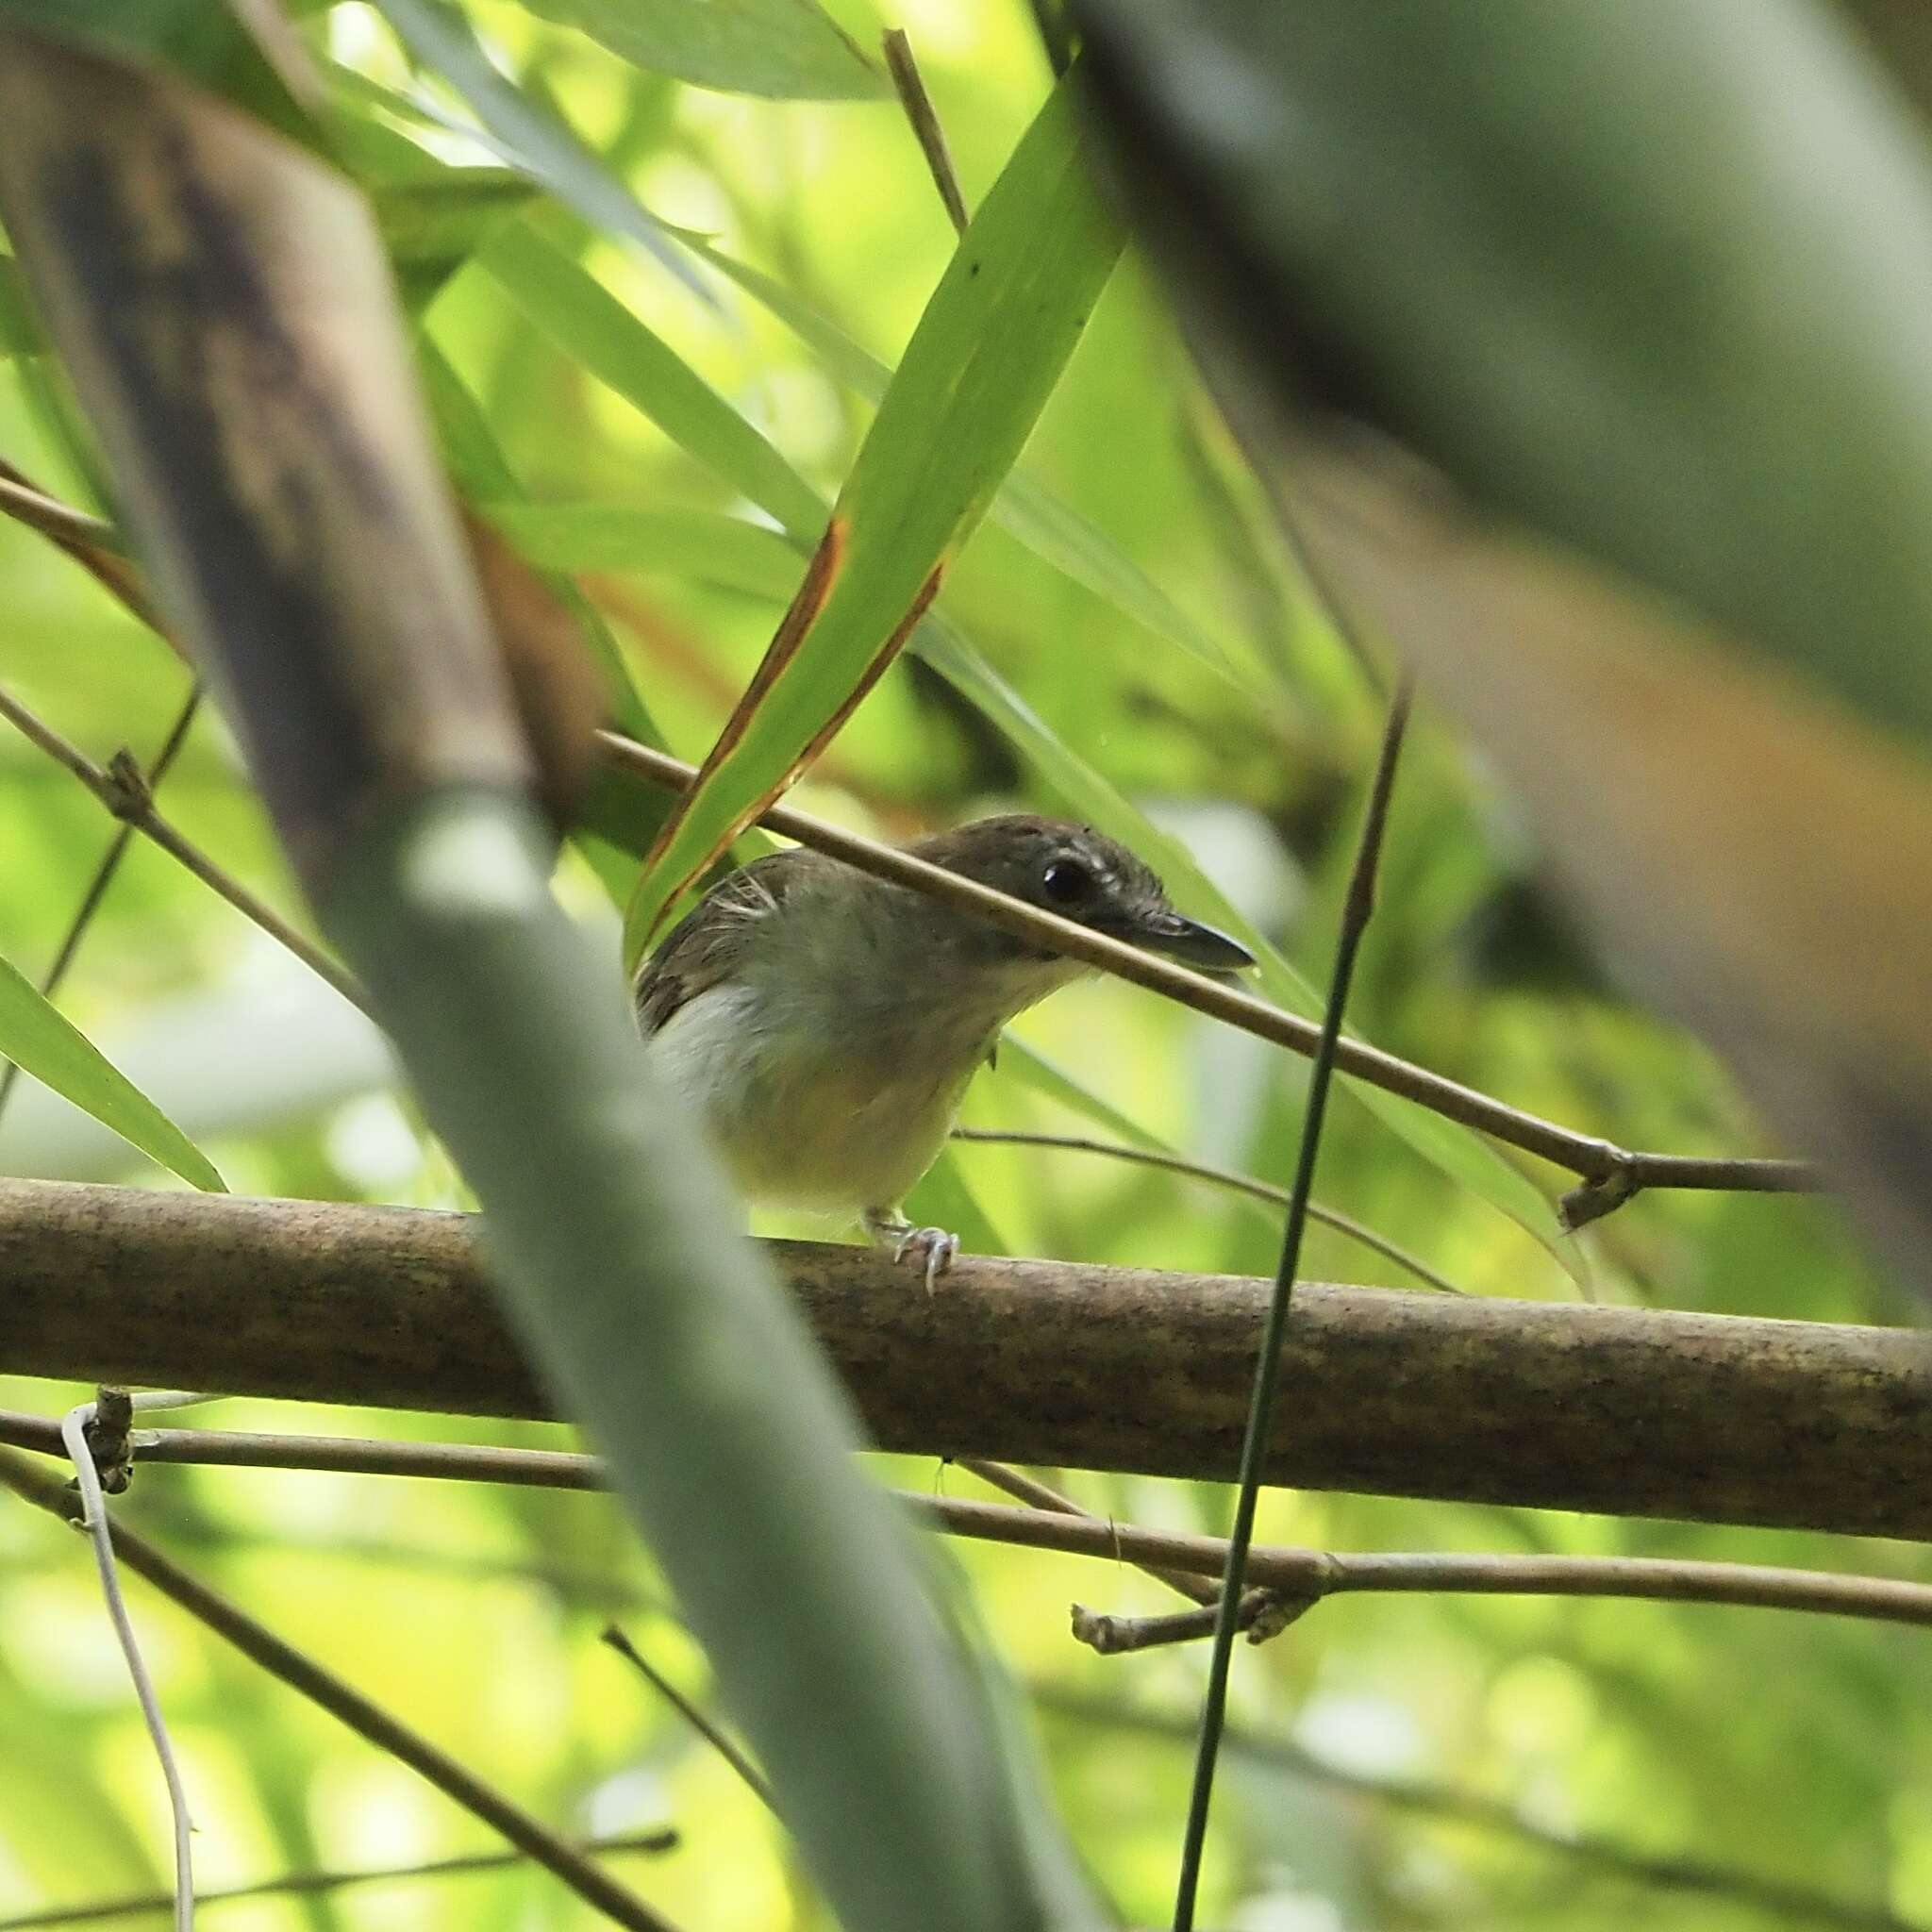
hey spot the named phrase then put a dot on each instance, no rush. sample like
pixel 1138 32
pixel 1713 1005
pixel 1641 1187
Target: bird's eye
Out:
pixel 1066 882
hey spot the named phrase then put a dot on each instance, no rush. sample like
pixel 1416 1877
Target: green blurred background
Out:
pixel 1770 1748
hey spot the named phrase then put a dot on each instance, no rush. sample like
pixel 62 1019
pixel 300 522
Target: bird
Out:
pixel 822 1024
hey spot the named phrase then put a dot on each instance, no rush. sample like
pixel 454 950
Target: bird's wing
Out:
pixel 706 945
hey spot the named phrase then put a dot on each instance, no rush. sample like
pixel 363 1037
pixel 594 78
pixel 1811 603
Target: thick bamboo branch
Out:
pixel 1632 1412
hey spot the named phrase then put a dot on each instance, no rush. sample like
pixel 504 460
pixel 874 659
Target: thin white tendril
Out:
pixel 94 1520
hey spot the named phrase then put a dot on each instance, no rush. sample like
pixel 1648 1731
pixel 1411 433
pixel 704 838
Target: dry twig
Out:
pixel 1292 1573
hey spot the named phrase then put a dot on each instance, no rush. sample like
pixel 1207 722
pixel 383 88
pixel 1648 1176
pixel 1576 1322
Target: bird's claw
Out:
pixel 933 1246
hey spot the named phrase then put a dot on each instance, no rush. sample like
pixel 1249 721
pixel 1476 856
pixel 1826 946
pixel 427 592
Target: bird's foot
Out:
pixel 931 1249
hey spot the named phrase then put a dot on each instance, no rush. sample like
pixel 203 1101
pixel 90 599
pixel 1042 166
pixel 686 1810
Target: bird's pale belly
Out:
pixel 799 1127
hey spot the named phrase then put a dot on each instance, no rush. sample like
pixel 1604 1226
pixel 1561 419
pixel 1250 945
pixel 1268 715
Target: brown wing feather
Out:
pixel 706 943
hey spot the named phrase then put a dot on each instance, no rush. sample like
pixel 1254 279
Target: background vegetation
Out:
pixel 1419 1762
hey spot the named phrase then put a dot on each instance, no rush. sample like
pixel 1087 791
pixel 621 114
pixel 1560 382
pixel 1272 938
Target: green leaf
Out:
pixel 572 305
pixel 617 822
pixel 41 1041
pixel 1030 513
pixel 432 226
pixel 1601 295
pixel 18 335
pixel 703 546
pixel 782 49
pixel 527 133
pixel 978 369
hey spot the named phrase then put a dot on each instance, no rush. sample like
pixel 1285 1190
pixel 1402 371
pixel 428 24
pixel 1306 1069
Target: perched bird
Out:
pixel 824 1023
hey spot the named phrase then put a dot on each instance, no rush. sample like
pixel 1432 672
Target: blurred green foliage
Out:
pixel 1792 1749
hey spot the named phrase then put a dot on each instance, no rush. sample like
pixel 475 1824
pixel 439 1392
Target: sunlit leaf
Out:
pixel 432 226
pixel 785 49
pixel 703 546
pixel 528 133
pixel 43 1042
pixel 18 336
pixel 944 1199
pixel 1601 298
pixel 1024 508
pixel 980 366
pixel 573 307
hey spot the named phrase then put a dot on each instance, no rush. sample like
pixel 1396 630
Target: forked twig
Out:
pixel 92 900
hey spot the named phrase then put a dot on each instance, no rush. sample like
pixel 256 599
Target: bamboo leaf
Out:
pixel 980 366
pixel 944 1199
pixel 782 49
pixel 703 546
pixel 573 307
pixel 1030 513
pixel 616 823
pixel 530 134
pixel 1612 310
pixel 432 226
pixel 42 1041
pixel 18 335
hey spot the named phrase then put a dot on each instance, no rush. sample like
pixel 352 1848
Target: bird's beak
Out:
pixel 1189 944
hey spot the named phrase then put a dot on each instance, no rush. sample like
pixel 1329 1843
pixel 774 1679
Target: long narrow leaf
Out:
pixel 1030 513
pixel 442 37
pixel 782 49
pixel 980 366
pixel 42 1041
pixel 702 547
pixel 573 307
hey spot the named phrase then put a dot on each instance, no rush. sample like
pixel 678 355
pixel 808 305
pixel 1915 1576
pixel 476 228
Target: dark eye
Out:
pixel 1066 882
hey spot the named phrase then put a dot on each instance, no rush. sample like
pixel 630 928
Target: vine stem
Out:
pixel 1357 911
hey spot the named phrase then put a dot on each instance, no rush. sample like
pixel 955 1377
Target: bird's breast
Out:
pixel 834 1117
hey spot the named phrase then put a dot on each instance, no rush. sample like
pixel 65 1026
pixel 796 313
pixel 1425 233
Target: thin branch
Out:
pixel 369 1719
pixel 911 86
pixel 121 790
pixel 1357 908
pixel 1447 1805
pixel 720 1740
pixel 1220 1177
pixel 1596 1160
pixel 93 899
pixel 91 543
pixel 315 1884
pixel 1293 1573
pixel 1039 1495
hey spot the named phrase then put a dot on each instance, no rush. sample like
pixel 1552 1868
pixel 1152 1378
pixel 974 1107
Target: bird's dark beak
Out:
pixel 1189 942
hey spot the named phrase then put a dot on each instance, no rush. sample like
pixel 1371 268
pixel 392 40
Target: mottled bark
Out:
pixel 1632 1412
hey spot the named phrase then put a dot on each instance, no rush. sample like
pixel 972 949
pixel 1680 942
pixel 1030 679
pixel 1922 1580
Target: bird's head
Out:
pixel 1082 876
